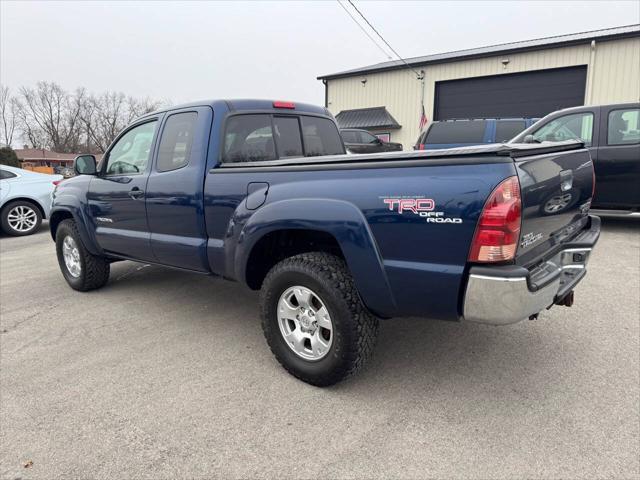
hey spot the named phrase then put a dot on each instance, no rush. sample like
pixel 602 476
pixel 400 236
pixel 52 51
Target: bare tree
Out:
pixel 8 110
pixel 105 115
pixel 49 116
pixel 141 106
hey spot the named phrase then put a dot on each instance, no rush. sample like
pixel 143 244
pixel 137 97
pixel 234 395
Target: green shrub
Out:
pixel 9 157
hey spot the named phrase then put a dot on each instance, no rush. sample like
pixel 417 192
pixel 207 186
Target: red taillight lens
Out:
pixel 498 230
pixel 57 182
pixel 279 104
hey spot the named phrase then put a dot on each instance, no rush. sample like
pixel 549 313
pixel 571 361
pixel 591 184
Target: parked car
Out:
pixel 361 141
pixel 612 135
pixel 25 199
pixel 477 131
pixel 261 192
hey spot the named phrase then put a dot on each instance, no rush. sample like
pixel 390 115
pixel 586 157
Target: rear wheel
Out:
pixel 21 218
pixel 314 321
pixel 82 270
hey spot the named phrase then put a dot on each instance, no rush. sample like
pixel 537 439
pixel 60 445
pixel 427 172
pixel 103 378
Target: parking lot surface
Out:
pixel 166 374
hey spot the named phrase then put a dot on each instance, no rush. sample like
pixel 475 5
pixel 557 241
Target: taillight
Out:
pixel 498 230
pixel 57 182
pixel 279 104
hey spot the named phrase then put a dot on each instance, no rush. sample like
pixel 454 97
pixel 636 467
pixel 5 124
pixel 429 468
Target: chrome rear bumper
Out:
pixel 504 295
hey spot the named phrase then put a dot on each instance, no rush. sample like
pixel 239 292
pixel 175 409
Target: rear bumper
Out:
pixel 507 294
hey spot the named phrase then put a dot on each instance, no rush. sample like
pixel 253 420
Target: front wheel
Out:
pixel 314 321
pixel 82 270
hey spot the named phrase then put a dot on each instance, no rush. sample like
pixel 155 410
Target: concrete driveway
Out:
pixel 164 374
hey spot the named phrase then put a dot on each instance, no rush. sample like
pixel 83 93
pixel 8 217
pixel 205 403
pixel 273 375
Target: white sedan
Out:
pixel 25 199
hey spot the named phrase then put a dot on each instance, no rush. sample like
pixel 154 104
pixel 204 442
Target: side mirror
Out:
pixel 529 139
pixel 85 165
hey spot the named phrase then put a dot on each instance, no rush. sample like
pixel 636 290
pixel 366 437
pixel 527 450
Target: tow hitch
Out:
pixel 567 300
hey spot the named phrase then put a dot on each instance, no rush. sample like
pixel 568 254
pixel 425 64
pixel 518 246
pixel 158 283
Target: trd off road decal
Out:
pixel 423 207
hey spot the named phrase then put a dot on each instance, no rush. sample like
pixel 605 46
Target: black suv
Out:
pixel 612 135
pixel 361 141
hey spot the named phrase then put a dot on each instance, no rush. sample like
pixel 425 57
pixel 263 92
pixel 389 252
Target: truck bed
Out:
pixel 391 252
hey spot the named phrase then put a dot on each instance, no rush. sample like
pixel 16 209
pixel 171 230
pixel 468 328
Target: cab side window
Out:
pixel 177 138
pixel 623 127
pixel 576 126
pixel 350 136
pixel 368 138
pixel 130 155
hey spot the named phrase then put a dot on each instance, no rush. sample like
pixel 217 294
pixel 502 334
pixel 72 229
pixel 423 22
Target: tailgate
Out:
pixel 556 188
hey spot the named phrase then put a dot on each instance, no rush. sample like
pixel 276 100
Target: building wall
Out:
pixel 613 75
pixel 616 72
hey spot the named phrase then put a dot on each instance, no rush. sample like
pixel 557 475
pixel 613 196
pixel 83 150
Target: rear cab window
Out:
pixel 623 127
pixel 264 137
pixel 320 137
pixel 248 138
pixel 459 131
pixel 288 138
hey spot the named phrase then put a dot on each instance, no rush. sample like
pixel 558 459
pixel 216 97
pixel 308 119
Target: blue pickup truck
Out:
pixel 261 192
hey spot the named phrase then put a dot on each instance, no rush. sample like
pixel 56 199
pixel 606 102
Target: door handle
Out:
pixel 135 192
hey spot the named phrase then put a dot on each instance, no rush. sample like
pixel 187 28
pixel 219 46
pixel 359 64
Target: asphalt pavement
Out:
pixel 165 374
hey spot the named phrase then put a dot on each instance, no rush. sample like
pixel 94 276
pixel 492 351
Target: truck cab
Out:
pixel 612 135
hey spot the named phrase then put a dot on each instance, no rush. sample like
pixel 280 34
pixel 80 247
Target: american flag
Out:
pixel 423 119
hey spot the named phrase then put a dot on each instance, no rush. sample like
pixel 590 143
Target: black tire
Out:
pixel 94 271
pixel 355 329
pixel 10 207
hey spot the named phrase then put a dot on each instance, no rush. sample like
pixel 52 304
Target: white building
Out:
pixel 521 79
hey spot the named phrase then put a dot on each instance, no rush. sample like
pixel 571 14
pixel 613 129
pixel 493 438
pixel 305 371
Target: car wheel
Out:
pixel 82 270
pixel 314 321
pixel 21 218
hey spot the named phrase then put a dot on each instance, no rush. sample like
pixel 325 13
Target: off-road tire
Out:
pixel 94 270
pixel 355 329
pixel 4 218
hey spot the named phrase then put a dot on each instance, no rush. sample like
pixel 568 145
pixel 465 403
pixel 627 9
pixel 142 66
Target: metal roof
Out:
pixel 373 117
pixel 536 44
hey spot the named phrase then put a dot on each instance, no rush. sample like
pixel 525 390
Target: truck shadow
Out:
pixel 413 354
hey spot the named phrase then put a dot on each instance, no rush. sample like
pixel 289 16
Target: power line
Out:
pixel 364 31
pixel 419 75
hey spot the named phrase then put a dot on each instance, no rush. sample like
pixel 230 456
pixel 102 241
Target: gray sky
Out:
pixel 183 51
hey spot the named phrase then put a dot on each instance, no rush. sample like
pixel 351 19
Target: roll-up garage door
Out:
pixel 527 94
